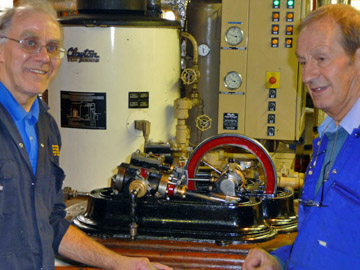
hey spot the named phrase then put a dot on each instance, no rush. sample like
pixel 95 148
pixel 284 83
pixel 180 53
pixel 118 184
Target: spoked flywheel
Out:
pixel 218 153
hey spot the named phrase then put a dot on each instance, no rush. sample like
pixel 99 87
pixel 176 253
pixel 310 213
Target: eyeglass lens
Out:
pixel 33 46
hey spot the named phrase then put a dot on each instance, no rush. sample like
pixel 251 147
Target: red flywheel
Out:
pixel 222 140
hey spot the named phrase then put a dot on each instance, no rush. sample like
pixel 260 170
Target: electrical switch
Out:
pixel 272 93
pixel 272 79
pixel 271 131
pixel 272 106
pixel 271 118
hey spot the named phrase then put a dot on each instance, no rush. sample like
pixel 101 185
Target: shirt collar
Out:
pixel 349 122
pixel 16 111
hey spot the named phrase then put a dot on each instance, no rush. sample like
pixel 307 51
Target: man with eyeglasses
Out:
pixel 32 210
pixel 328 49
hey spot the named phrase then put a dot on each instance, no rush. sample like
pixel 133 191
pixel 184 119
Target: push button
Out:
pixel 273 80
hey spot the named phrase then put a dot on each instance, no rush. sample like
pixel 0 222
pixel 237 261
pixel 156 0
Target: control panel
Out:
pixel 260 89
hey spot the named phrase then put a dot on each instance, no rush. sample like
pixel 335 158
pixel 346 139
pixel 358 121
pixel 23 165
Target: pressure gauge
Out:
pixel 204 49
pixel 232 80
pixel 234 35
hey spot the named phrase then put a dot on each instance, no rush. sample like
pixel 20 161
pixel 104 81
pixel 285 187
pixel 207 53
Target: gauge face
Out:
pixel 232 80
pixel 234 35
pixel 204 49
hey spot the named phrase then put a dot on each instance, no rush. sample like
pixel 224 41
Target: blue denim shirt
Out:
pixel 32 208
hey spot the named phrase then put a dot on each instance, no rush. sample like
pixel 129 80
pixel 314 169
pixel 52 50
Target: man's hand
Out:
pixel 132 263
pixel 77 246
pixel 261 260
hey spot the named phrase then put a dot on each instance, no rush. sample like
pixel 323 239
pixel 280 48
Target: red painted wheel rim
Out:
pixel 250 145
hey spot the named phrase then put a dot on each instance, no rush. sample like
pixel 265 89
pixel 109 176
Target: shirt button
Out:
pixel 21 145
pixel 334 171
pixel 310 172
pixel 31 138
pixel 42 145
pixel 318 143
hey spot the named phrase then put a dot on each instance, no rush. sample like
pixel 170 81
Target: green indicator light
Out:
pixel 276 2
pixel 290 3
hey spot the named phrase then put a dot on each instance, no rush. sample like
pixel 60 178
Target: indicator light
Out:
pixel 290 16
pixel 274 41
pixel 276 3
pixel 275 29
pixel 290 4
pixel 275 16
pixel 289 30
pixel 288 43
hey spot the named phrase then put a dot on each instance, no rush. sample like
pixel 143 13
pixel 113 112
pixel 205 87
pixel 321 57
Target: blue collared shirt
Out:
pixel 350 121
pixel 25 122
pixel 336 137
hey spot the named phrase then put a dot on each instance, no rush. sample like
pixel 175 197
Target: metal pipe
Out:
pixel 205 197
pixel 195 46
pixel 199 179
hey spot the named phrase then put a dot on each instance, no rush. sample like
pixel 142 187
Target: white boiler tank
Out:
pixel 117 70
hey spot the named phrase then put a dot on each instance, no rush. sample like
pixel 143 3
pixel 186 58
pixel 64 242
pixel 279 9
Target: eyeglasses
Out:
pixel 325 177
pixel 33 46
pixel 326 172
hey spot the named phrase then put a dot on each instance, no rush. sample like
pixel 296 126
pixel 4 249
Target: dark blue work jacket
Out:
pixel 32 208
pixel 329 237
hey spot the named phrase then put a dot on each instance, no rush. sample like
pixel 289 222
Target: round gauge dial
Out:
pixel 232 80
pixel 204 49
pixel 234 35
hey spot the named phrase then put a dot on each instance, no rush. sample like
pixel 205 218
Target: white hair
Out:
pixel 24 6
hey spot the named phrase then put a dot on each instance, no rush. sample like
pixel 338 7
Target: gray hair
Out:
pixel 348 19
pixel 24 6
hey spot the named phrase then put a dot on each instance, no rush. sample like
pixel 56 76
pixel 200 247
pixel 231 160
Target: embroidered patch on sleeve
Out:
pixel 56 150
